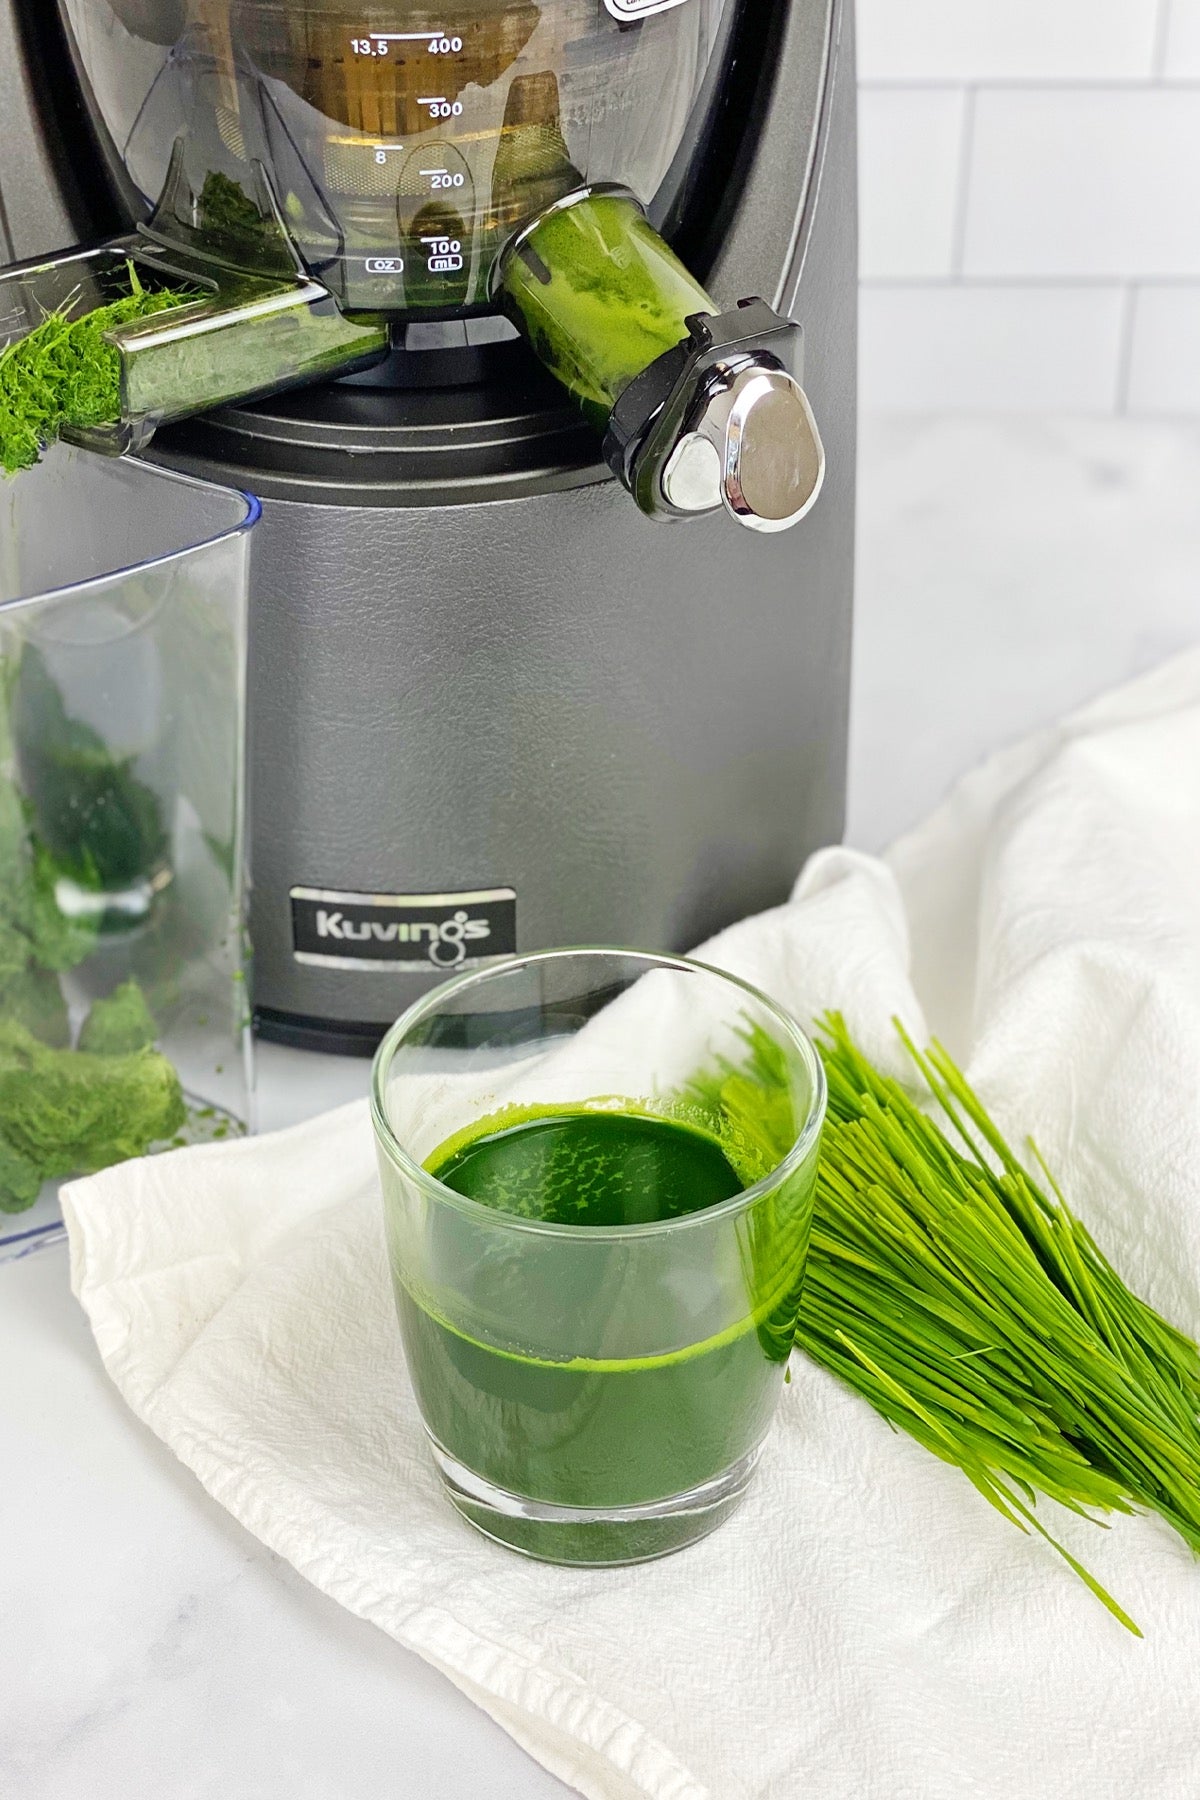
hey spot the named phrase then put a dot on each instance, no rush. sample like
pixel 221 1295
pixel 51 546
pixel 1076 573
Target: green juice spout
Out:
pixel 698 409
pixel 600 296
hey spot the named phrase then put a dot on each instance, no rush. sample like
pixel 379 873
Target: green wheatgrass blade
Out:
pixel 997 1492
pixel 64 373
pixel 952 1287
pixel 964 1386
pixel 1157 1364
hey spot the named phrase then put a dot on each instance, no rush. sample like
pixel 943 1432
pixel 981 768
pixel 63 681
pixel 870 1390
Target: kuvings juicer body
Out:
pixel 518 674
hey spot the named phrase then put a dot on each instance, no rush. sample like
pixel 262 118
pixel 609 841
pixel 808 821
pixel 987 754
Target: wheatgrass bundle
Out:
pixel 955 1290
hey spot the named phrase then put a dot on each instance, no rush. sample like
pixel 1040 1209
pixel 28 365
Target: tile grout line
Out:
pixel 1128 326
pixel 1038 282
pixel 1033 84
pixel 1162 35
pixel 962 196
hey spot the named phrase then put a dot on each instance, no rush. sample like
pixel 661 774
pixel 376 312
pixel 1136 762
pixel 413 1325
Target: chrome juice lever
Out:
pixel 722 421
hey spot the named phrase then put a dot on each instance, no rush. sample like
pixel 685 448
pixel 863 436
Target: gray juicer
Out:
pixel 519 676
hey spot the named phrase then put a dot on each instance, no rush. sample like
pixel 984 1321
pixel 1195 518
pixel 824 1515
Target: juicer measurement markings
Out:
pixel 377 43
pixel 440 107
pixel 442 178
pixel 443 254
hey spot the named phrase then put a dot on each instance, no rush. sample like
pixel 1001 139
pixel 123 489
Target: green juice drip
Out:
pixel 619 1434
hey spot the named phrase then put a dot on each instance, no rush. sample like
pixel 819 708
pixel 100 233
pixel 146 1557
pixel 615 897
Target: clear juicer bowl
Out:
pixel 124 1020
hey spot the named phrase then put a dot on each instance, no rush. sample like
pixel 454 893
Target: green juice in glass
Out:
pixel 594 1432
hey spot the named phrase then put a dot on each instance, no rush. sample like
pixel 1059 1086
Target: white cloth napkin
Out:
pixel 866 1628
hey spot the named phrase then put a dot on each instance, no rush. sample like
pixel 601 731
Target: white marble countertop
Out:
pixel 150 1647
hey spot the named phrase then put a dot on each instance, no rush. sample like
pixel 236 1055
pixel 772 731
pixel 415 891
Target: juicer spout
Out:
pixel 224 337
pixel 234 314
pixel 699 409
pixel 246 338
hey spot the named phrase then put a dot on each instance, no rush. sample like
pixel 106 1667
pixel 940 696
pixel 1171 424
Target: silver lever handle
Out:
pixel 752 446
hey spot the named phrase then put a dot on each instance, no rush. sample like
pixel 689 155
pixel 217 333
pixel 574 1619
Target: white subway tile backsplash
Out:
pixel 1007 40
pixel 1182 61
pixel 1164 372
pixel 1030 184
pixel 1085 182
pixel 1006 349
pixel 910 153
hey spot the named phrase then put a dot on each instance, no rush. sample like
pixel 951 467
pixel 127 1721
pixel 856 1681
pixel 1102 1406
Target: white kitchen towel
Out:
pixel 866 1628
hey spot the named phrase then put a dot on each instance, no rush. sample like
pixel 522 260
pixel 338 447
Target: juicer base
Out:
pixel 330 1037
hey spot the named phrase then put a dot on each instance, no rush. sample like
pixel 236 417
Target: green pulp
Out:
pixel 584 1433
pixel 65 1110
pixel 103 826
pixel 600 296
pixel 65 373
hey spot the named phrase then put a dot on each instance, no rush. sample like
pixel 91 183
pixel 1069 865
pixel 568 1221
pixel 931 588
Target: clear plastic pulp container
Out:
pixel 124 1020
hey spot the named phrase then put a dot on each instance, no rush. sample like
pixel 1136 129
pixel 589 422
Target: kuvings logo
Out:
pixel 402 931
pixel 447 942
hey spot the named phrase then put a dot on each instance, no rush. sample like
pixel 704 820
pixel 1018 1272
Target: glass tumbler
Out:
pixel 598 1393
